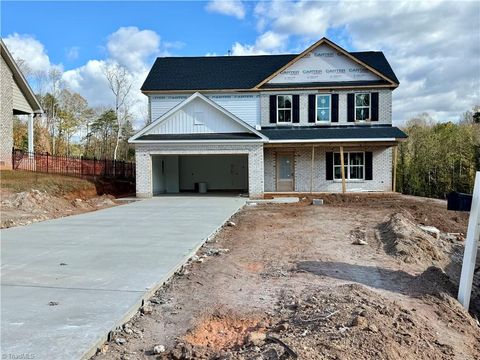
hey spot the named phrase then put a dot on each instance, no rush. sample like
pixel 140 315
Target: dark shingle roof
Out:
pixel 212 72
pixel 334 133
pixel 211 136
pixel 233 72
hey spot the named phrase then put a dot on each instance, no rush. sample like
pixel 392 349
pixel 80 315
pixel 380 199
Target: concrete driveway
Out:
pixel 113 259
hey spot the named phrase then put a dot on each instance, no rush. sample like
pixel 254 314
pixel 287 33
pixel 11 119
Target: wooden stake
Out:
pixel 311 170
pixel 342 163
pixel 394 182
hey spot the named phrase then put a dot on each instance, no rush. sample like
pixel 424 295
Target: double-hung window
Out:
pixel 354 165
pixel 284 108
pixel 323 109
pixel 362 107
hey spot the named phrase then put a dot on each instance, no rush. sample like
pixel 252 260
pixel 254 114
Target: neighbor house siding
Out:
pixel 19 101
pixel 384 107
pixel 382 170
pixel 143 157
pixel 6 113
pixel 246 106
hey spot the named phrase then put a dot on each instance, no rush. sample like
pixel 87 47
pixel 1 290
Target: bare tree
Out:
pixel 23 66
pixel 119 83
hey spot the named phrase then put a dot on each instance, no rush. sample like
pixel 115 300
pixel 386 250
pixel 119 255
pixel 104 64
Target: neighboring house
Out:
pixel 270 123
pixel 17 98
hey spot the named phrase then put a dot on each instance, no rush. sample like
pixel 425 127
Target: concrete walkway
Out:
pixel 114 258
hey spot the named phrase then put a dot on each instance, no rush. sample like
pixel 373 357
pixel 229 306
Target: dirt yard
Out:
pixel 28 197
pixel 353 279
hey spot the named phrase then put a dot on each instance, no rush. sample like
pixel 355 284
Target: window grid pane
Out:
pixel 354 166
pixel 323 107
pixel 362 106
pixel 284 108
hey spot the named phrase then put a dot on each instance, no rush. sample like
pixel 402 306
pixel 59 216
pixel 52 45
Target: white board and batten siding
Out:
pixel 197 117
pixel 245 106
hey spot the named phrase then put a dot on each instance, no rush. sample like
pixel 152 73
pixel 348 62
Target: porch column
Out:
pixel 30 134
pixel 311 169
pixel 342 163
pixel 394 180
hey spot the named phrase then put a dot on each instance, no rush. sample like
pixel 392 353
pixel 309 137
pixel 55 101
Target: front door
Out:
pixel 285 172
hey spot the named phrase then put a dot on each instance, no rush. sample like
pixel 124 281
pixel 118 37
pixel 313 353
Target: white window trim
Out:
pixel 329 109
pixel 369 107
pixel 347 165
pixel 290 108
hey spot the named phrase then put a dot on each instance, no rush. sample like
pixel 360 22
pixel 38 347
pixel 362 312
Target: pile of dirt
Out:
pixel 423 211
pixel 23 208
pixel 28 200
pixel 403 239
pixel 327 324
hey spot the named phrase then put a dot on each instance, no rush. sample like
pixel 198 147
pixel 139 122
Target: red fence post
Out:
pixel 47 162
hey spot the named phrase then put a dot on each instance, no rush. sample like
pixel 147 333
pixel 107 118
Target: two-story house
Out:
pixel 319 121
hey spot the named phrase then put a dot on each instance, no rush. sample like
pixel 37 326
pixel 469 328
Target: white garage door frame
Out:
pixel 254 151
pixel 180 173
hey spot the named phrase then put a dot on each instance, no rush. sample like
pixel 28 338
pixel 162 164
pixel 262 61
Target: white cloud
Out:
pixel 128 46
pixel 72 53
pixel 132 47
pixel 267 43
pixel 437 64
pixel 30 50
pixel 234 8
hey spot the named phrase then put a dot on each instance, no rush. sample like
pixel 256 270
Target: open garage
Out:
pixel 193 173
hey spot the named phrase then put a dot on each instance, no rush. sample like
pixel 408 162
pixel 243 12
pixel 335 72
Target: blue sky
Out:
pixel 86 25
pixel 77 37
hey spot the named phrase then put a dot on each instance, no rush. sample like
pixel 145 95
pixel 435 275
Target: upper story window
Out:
pixel 323 108
pixel 354 165
pixel 284 108
pixel 362 107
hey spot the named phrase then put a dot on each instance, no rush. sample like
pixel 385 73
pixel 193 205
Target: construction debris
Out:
pixel 431 230
pixel 27 207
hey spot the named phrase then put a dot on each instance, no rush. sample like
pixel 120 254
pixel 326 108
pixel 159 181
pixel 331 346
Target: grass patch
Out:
pixel 53 184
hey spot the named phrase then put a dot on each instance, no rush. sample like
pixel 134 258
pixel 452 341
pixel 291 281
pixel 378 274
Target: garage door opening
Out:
pixel 173 174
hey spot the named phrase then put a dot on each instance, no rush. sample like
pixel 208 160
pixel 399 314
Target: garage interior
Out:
pixel 172 174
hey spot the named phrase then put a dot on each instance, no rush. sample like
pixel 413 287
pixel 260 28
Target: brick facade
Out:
pixel 384 107
pixel 143 157
pixel 382 170
pixel 6 114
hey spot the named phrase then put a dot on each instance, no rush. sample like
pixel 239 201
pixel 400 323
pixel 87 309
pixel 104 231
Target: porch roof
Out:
pixel 334 133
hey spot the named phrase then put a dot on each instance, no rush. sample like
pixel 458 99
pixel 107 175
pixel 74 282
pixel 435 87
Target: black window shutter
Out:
pixel 311 108
pixel 273 109
pixel 351 107
pixel 374 99
pixel 334 107
pixel 329 164
pixel 368 165
pixel 296 109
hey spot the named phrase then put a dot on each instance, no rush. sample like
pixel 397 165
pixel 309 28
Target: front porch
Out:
pixel 317 168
